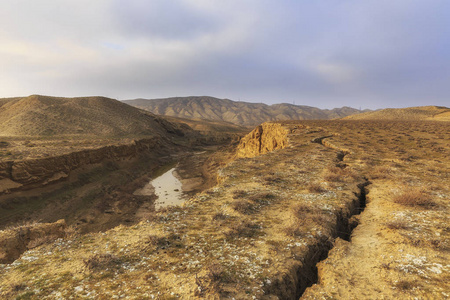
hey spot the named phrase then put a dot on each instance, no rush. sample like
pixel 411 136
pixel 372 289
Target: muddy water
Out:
pixel 167 188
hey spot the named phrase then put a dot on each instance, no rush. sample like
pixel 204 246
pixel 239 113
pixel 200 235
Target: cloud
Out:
pixel 373 53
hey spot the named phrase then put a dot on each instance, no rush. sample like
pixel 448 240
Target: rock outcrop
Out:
pixel 263 139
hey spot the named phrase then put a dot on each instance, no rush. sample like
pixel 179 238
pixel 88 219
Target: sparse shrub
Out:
pixel 315 187
pixel 406 285
pixel 219 216
pixel 70 232
pixel 397 224
pixel 381 172
pixel 243 206
pixel 440 244
pixel 3 144
pixel 337 174
pixel 239 194
pixel 273 179
pixel 262 198
pixel 293 230
pixel 101 262
pixel 41 241
pixel 172 240
pixel 301 209
pixel 332 177
pixel 216 272
pixel 18 287
pixel 212 281
pixel 242 229
pixel 415 198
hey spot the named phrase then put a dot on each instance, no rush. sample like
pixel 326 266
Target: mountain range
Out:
pixel 237 112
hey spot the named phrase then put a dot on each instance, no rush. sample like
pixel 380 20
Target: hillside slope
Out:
pixel 241 113
pixel 434 113
pixel 46 116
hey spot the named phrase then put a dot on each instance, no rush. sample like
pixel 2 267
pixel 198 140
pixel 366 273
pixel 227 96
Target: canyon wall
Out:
pixel 22 173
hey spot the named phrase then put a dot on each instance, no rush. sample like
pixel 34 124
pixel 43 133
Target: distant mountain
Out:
pixel 46 116
pixel 435 113
pixel 241 113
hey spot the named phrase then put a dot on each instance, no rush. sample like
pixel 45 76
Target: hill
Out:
pixel 209 126
pixel 47 116
pixel 241 113
pixel 432 113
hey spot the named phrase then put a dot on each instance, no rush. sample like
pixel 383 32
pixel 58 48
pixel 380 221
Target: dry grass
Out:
pixel 243 206
pixel 99 262
pixel 316 187
pixel 398 224
pixel 241 229
pixel 415 198
pixel 339 174
pixel 381 172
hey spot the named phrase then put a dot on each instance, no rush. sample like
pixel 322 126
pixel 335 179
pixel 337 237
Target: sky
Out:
pixel 369 54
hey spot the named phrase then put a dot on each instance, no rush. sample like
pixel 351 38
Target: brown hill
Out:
pixel 207 126
pixel 46 116
pixel 241 113
pixel 435 113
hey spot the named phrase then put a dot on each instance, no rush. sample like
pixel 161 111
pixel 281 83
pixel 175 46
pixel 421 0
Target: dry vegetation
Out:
pixel 259 233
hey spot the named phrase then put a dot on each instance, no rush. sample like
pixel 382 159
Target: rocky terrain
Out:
pixel 430 113
pixel 372 192
pixel 240 113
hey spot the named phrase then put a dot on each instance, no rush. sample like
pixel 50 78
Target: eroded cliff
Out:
pixel 263 139
pixel 36 172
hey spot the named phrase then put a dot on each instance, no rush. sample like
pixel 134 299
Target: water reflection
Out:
pixel 166 187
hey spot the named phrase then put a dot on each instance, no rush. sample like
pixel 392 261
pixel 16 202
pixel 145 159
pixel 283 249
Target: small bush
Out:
pixel 262 198
pixel 239 194
pixel 316 188
pixel 212 281
pixel 381 172
pixel 273 179
pixel 406 285
pixel 219 216
pixel 397 224
pixel 18 287
pixel 172 240
pixel 299 210
pixel 337 174
pixel 243 206
pixel 293 230
pixel 216 272
pixel 415 198
pixel 101 262
pixel 242 229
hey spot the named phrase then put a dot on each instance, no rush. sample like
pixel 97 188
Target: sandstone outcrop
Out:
pixel 263 139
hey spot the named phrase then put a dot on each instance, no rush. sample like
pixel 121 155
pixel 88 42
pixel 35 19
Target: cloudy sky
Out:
pixel 333 53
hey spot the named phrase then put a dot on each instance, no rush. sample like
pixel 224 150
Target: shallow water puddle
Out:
pixel 166 187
